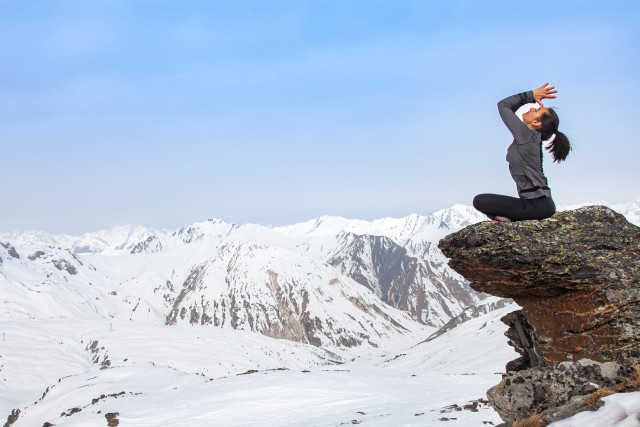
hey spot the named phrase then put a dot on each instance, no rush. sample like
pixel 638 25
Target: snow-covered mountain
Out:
pixel 316 282
pixel 117 238
pixel 178 327
pixel 410 232
pixel 426 288
pixel 630 210
pixel 415 232
pixel 265 289
pixel 288 281
pixel 284 294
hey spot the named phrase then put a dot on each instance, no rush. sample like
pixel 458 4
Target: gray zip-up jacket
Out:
pixel 525 153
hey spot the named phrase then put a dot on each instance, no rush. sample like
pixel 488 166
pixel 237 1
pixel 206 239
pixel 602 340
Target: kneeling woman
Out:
pixel 524 155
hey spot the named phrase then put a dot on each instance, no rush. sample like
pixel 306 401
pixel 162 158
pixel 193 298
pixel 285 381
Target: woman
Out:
pixel 524 155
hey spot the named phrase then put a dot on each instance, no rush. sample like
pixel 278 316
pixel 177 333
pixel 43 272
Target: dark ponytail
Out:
pixel 560 146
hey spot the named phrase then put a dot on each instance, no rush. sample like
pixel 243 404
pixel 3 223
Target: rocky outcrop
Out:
pixel 151 244
pixel 10 250
pixel 577 278
pixel 555 392
pixel 63 264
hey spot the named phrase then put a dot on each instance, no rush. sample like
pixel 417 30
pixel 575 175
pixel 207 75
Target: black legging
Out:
pixel 514 208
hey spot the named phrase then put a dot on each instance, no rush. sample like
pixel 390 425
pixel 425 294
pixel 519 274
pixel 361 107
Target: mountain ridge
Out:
pixel 183 277
pixel 125 237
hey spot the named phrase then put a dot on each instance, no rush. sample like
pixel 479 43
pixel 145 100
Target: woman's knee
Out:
pixel 481 202
pixel 546 207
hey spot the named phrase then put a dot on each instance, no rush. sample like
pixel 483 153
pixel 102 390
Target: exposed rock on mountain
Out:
pixel 421 287
pixel 577 278
pixel 151 244
pixel 62 264
pixel 283 295
pixel 10 250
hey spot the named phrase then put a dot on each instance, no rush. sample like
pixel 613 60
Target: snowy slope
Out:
pixel 425 288
pixel 283 294
pixel 265 289
pixel 75 374
pixel 37 355
pixel 47 282
pixel 55 371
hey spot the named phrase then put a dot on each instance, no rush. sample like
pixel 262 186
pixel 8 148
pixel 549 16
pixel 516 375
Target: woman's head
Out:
pixel 546 121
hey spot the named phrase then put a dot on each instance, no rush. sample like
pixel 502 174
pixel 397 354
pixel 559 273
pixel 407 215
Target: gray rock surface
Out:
pixel 559 390
pixel 577 278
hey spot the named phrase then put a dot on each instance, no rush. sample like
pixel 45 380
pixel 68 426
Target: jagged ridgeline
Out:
pixel 330 282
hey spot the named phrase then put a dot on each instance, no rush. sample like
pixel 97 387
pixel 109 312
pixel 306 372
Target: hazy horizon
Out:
pixel 110 227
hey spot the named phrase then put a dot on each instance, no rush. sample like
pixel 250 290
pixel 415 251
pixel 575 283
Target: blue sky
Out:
pixel 164 113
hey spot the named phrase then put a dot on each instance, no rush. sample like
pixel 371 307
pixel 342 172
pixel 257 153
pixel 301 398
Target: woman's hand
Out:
pixel 543 92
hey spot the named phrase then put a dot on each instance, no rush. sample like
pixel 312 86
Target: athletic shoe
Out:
pixel 502 219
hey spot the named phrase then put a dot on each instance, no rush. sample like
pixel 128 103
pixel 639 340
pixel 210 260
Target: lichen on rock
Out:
pixel 556 391
pixel 577 278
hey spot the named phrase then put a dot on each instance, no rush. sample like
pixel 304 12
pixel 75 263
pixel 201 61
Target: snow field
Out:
pixel 184 375
pixel 160 396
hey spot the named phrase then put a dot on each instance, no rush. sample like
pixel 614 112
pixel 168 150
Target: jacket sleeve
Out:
pixel 507 109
